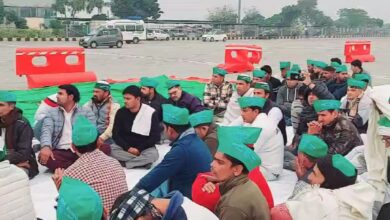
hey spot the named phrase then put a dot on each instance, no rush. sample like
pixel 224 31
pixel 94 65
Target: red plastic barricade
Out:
pixel 360 50
pixel 52 66
pixel 241 58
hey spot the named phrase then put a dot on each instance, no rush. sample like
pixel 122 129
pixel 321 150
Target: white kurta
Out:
pixel 233 110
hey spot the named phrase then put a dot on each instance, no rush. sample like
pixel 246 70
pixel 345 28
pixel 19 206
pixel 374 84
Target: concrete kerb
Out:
pixel 39 39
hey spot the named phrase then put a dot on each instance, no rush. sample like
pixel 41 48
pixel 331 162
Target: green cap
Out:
pixel 262 85
pixel 103 85
pixel 284 64
pixel 313 146
pixel 172 83
pixel 335 64
pixel 384 126
pixel 245 135
pixel 244 77
pixel 259 73
pixel 310 62
pixel 296 67
pixel 342 69
pixel 246 102
pixel 326 104
pixel 6 96
pixel 148 82
pixel 77 200
pixel 3 152
pixel 292 74
pixel 219 71
pixel 83 132
pixel 199 118
pixel 347 168
pixel 362 77
pixel 356 83
pixel 229 145
pixel 320 64
pixel 175 115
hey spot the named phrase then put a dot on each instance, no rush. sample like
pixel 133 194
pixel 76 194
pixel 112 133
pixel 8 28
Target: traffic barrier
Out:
pixel 241 58
pixel 52 66
pixel 360 50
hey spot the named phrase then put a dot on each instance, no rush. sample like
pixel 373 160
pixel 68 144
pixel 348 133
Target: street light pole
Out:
pixel 239 12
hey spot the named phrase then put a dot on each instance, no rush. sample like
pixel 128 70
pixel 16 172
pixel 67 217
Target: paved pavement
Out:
pixel 192 58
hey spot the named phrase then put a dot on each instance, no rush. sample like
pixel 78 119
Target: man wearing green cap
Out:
pixel 204 127
pixel 357 105
pixel 16 135
pixel 182 99
pixel 217 93
pixel 150 96
pixel 338 86
pixel 363 77
pixel 101 172
pixel 284 67
pixel 269 145
pixel 288 93
pixel 328 74
pixel 104 108
pixel 273 82
pixel 188 156
pixel 310 66
pixel 336 130
pixel 231 165
pixel 16 202
pixel 243 89
pixel 136 132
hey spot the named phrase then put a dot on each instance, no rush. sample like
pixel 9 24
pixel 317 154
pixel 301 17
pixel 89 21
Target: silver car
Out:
pixel 103 37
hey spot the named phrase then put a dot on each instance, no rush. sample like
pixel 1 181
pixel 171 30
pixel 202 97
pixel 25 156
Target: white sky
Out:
pixel 198 9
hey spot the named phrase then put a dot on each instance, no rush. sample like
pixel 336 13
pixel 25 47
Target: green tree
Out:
pixel 60 6
pixel 92 4
pixel 1 11
pixel 224 15
pixel 252 16
pixel 275 20
pixel 290 14
pixel 146 9
pixel 352 17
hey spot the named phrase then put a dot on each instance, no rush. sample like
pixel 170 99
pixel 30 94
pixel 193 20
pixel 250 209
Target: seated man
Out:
pixel 182 99
pixel 270 143
pixel 104 108
pixel 188 156
pixel 204 127
pixel 363 77
pixel 284 67
pixel 273 82
pixel 288 93
pixel 272 110
pixel 151 97
pixel 78 200
pixel 357 105
pixel 136 132
pixel 318 68
pixel 16 135
pixel 243 89
pixel 230 167
pixel 103 173
pixel 56 133
pixel 328 74
pixel 338 86
pixel 337 131
pixel 217 93
pixel 16 201
pixel 357 67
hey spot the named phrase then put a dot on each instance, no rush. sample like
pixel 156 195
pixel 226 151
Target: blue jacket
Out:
pixel 188 156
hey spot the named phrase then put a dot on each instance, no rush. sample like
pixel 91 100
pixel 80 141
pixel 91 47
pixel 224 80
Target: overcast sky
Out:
pixel 198 9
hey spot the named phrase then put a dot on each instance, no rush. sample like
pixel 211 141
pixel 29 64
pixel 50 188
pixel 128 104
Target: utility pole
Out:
pixel 239 12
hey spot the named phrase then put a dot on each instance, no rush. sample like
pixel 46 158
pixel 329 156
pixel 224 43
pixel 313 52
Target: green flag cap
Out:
pixel 172 83
pixel 384 126
pixel 83 132
pixel 245 135
pixel 320 64
pixel 149 82
pixel 292 74
pixel 219 71
pixel 175 115
pixel 262 85
pixel 342 69
pixel 203 117
pixel 310 62
pixel 313 146
pixel 326 104
pixel 3 153
pixel 229 145
pixel 103 85
pixel 335 64
pixel 246 102
pixel 244 77
pixel 6 96
pixel 362 77
pixel 356 83
pixel 284 64
pixel 343 165
pixel 259 73
pixel 296 67
pixel 77 200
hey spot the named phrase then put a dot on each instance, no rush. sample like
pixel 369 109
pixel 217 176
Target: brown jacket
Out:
pixel 211 139
pixel 241 199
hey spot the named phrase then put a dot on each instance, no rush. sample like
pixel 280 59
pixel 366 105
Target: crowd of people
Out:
pixel 225 148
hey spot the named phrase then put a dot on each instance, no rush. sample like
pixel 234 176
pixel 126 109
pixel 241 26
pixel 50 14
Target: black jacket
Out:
pixel 282 124
pixel 156 103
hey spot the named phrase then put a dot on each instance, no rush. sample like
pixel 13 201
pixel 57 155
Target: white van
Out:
pixel 132 30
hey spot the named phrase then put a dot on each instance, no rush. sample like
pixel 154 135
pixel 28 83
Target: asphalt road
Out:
pixel 193 58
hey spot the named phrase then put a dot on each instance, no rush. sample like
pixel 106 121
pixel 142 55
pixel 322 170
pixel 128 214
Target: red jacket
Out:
pixel 210 200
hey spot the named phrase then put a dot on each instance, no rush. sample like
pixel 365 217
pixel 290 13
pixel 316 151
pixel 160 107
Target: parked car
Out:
pixel 103 37
pixel 216 35
pixel 156 35
pixel 178 34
